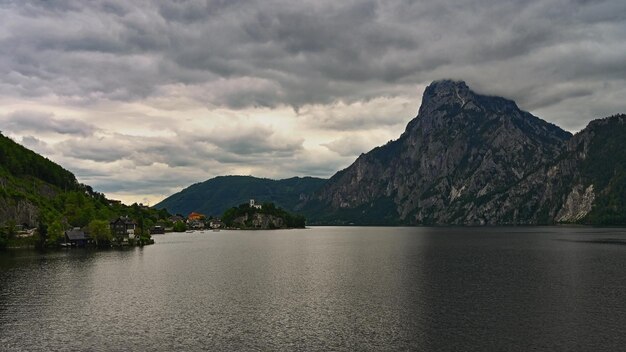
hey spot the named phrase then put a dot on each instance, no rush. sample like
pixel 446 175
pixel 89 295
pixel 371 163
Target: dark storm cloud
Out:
pixel 35 121
pixel 315 52
pixel 244 144
pixel 157 165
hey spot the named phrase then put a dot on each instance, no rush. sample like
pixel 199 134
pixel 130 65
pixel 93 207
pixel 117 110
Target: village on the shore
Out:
pixel 127 231
pixel 123 231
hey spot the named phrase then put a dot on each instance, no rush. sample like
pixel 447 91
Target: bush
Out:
pixel 100 231
pixel 180 226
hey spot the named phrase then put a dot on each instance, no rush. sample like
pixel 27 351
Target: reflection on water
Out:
pixel 327 288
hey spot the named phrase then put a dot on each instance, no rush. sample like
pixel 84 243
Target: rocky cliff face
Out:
pixel 259 221
pixel 19 211
pixel 470 159
pixel 454 164
pixel 595 166
pixel 586 183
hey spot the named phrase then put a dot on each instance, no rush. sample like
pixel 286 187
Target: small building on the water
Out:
pixel 157 230
pixel 216 224
pixel 77 237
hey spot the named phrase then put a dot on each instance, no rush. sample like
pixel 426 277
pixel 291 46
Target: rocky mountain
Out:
pixel 462 150
pixel 214 196
pixel 466 159
pixel 585 184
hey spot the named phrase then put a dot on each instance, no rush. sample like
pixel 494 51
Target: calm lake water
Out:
pixel 325 289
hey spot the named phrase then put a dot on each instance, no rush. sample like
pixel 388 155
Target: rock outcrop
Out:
pixel 466 159
pixel 19 211
pixel 259 221
pixel 461 150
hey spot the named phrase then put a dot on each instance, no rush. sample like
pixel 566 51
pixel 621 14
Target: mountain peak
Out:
pixel 445 92
pixel 448 85
pixel 451 93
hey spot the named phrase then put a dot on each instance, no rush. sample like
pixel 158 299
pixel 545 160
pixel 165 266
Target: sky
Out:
pixel 143 98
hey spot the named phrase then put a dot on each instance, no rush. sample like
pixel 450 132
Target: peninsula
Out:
pixel 266 216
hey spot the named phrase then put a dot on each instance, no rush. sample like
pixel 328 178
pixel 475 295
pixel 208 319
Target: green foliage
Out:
pixel 180 226
pixel 605 168
pixel 28 178
pixel 610 207
pixel 42 234
pixel 607 155
pixel 213 197
pixel 380 212
pixel 11 230
pixel 22 162
pixel 270 209
pixel 56 232
pixel 4 238
pixel 145 238
pixel 100 232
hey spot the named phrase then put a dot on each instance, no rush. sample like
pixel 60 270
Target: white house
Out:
pixel 252 205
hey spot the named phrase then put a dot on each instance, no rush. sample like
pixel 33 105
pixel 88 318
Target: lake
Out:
pixel 324 289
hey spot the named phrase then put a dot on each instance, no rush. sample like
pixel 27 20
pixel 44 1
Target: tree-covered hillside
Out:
pixel 36 192
pixel 214 196
pixel 21 162
pixel 267 217
pixel 605 167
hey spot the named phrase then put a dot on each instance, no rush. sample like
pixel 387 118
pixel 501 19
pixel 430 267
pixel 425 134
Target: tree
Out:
pixel 100 232
pixel 55 232
pixel 42 231
pixel 11 229
pixel 4 238
pixel 180 226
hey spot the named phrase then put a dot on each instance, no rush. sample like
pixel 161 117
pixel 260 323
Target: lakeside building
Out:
pixel 195 221
pixel 77 237
pixel 176 218
pixel 195 216
pixel 216 224
pixel 123 228
pixel 157 230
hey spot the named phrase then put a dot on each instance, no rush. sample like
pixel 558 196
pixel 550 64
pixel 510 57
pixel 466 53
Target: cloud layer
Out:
pixel 141 98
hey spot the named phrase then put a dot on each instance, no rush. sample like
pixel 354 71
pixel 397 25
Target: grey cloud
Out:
pixel 349 146
pixel 35 121
pixel 145 183
pixel 36 144
pixel 97 149
pixel 305 53
pixel 253 140
pixel 334 62
pixel 355 120
pixel 237 144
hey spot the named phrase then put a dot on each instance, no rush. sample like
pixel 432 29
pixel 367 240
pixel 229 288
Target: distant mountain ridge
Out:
pixel 472 159
pixel 461 149
pixel 214 196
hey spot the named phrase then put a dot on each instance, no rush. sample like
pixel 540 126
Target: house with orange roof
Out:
pixel 195 216
pixel 195 221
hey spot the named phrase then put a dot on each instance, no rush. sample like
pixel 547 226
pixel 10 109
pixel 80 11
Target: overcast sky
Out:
pixel 142 98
